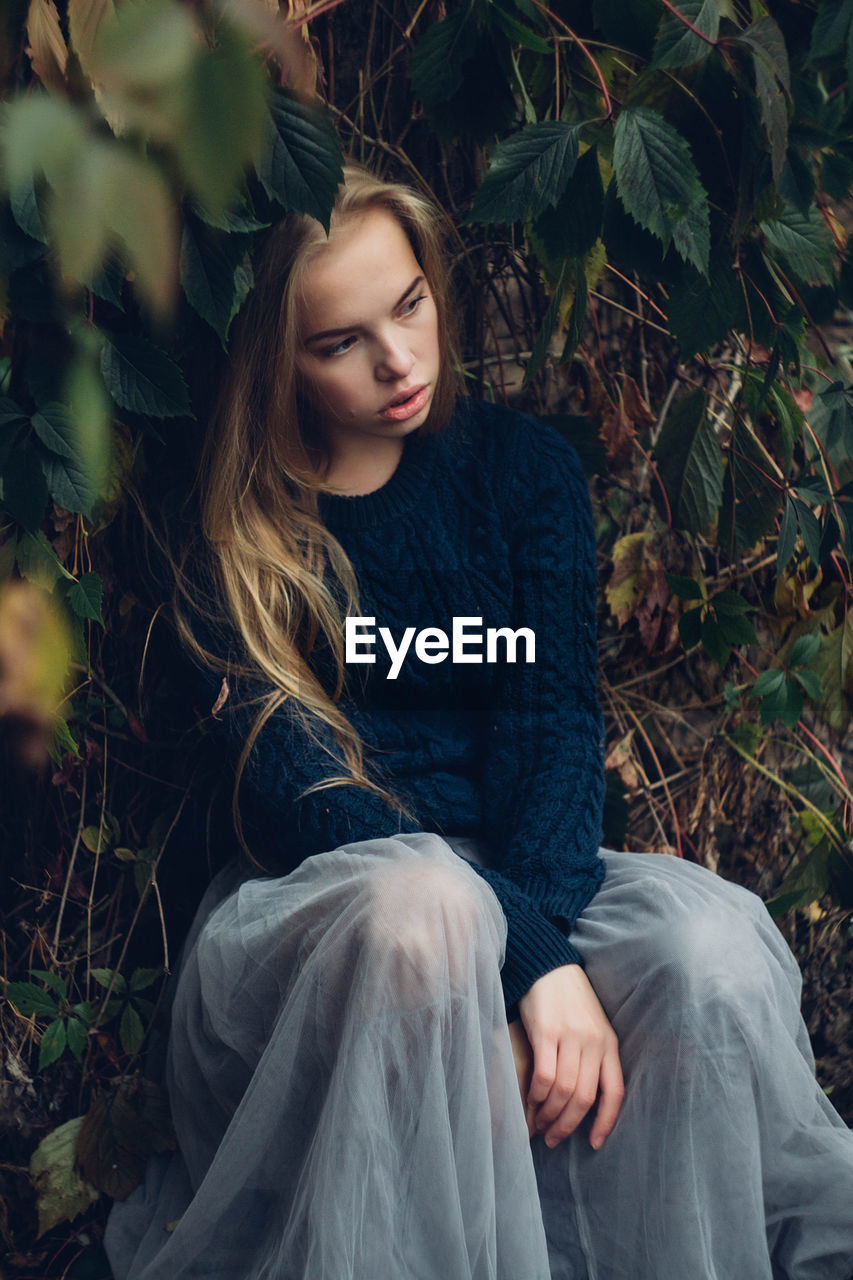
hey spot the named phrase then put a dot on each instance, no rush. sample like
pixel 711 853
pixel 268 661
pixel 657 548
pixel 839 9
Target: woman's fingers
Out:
pixel 522 1055
pixel 544 1069
pixel 575 1055
pixel 565 1081
pixel 579 1103
pixel 612 1087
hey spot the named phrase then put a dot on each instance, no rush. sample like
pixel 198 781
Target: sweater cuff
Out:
pixel 534 946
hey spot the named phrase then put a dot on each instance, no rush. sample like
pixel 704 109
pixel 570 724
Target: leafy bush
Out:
pixel 651 216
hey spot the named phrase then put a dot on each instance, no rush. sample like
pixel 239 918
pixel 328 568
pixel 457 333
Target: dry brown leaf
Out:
pixel 637 589
pixel 86 18
pixel 286 37
pixel 615 428
pixel 635 406
pixel 46 50
pixel 621 758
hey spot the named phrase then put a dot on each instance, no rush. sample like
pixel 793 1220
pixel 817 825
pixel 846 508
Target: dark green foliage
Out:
pixel 302 161
pixel 667 209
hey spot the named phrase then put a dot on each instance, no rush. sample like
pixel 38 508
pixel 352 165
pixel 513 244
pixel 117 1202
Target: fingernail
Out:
pixel 596 1143
pixel 551 1141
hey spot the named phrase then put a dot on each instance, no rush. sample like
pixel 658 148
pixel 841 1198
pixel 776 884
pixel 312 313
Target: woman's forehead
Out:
pixel 367 260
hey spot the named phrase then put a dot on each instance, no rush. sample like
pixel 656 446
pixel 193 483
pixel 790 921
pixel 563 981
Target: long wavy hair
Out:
pixel 284 582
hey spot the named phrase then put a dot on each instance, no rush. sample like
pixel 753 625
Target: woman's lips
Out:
pixel 408 408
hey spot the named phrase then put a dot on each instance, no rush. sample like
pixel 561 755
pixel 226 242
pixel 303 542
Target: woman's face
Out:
pixel 368 354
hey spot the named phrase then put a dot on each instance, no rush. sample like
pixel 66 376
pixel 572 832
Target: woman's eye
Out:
pixel 411 306
pixel 339 348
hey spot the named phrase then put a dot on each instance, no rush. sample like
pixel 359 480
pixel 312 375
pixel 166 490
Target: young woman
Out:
pixel 433 1030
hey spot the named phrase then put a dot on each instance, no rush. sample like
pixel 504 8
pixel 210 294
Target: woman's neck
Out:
pixel 361 472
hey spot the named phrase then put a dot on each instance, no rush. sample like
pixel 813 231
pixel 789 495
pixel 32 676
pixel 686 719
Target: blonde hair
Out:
pixel 273 564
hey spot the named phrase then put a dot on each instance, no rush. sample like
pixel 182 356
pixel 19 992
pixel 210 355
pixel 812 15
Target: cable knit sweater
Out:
pixel 490 519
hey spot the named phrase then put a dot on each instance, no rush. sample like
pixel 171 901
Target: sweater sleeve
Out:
pixel 283 826
pixel 543 778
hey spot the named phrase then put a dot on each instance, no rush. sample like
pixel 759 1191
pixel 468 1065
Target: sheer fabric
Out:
pixel 346 1106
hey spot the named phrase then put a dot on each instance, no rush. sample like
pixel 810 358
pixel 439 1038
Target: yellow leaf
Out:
pixel 624 590
pixel 87 20
pixel 62 1193
pixel 35 645
pixel 46 50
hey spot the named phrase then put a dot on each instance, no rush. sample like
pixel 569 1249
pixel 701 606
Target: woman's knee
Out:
pixel 428 926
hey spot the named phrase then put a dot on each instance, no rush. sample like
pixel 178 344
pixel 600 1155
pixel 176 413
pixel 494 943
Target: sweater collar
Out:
pixel 399 493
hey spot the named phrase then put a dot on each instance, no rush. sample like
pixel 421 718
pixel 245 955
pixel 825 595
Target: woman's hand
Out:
pixel 522 1055
pixel 575 1057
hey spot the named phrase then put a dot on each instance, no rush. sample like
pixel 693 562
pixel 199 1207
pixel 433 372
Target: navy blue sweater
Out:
pixel 490 519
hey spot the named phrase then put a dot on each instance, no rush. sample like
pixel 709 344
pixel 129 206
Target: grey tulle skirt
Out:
pixel 346 1104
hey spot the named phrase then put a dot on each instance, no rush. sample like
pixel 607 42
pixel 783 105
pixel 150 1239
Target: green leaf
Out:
pixel 572 226
pixel 56 983
pixel 768 682
pixel 804 242
pixel 302 166
pixel 767 41
pixel 23 489
pixel 54 426
pixel 77 1036
pixel 52 1044
pixel 543 338
pixel 437 59
pixel 832 417
pixel 29 999
pixel 676 44
pixel 714 641
pixel 690 628
pixel 517 32
pixel 62 1193
pixel 834 665
pixel 42 133
pixel 689 463
pixel 38 561
pixel 684 588
pixel 787 536
pixel 803 650
pixel 736 629
pixel 26 210
pixel 830 29
pixel 104 978
pixel 751 499
pixel 63 740
pixel 216 275
pixel 83 1012
pixel 85 597
pixel 766 44
pixel 141 979
pixel 659 184
pixel 775 703
pixel 131 1031
pixel 529 171
pixel 810 681
pixel 142 378
pixel 729 602
pixel 223 102
pixel 793 708
pixel 810 529
pixel 69 483
pixel 702 309
pixel 577 315
pixel 240 217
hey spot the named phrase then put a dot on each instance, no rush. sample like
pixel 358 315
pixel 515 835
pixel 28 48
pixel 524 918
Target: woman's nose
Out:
pixel 394 359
